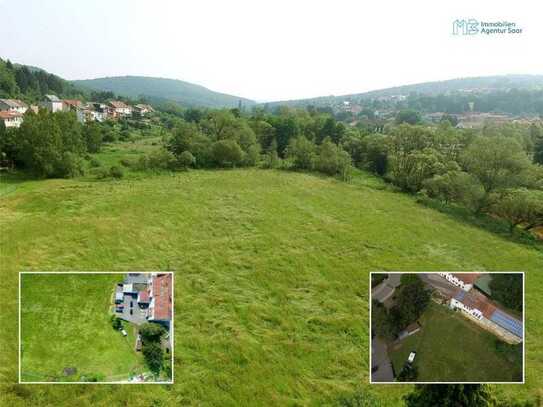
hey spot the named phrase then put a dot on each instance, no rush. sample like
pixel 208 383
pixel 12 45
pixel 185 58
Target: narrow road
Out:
pixel 381 361
pixel 439 283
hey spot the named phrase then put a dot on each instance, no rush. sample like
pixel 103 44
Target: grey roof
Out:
pixel 136 278
pixel 507 322
pixel 52 98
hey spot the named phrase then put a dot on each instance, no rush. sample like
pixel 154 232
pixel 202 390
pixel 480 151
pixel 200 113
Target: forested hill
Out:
pixel 475 85
pixel 184 93
pixel 31 84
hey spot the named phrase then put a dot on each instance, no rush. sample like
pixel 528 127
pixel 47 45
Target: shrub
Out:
pixel 116 172
pixel 95 162
pixel 186 160
pixel 227 153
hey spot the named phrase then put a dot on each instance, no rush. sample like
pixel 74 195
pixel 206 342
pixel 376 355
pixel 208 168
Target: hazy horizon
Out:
pixel 270 51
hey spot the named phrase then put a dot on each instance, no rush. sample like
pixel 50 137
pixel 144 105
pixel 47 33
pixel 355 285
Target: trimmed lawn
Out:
pixel 451 348
pixel 65 322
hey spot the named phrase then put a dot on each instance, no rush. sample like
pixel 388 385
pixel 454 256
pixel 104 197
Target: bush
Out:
pixel 95 162
pixel 157 160
pixel 186 160
pixel 116 322
pixel 227 153
pixel 125 162
pixel 116 172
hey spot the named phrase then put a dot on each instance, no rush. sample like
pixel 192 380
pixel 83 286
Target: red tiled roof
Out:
pixel 72 102
pixel 467 278
pixel 9 115
pixel 474 299
pixel 162 294
pixel 117 104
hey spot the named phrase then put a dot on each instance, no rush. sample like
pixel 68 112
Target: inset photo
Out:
pixel 447 327
pixel 99 327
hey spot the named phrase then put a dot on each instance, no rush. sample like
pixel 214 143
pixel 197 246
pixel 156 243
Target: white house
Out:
pixel 11 119
pixel 121 108
pixel 13 105
pixel 52 103
pixel 463 280
pixel 478 306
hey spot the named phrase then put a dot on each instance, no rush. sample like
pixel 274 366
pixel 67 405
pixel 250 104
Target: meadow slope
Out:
pixel 271 268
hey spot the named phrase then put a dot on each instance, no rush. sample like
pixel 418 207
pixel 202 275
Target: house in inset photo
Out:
pixel 415 326
pixel 96 327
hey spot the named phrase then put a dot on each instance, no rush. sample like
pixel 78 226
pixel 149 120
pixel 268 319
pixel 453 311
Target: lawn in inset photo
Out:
pixel 73 330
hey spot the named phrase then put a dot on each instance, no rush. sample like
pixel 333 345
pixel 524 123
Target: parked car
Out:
pixel 124 332
pixel 411 357
pixel 131 312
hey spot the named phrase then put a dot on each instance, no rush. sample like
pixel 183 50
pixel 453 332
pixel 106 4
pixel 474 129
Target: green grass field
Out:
pixel 65 322
pixel 272 272
pixel 451 348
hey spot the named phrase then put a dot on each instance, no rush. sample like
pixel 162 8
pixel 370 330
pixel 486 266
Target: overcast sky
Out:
pixel 271 50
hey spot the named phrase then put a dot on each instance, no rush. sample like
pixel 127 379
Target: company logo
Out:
pixel 471 26
pixel 466 27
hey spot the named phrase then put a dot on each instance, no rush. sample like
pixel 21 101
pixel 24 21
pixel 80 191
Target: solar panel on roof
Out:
pixel 507 322
pixel 460 296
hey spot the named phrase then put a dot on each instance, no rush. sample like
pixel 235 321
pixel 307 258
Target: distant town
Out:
pixel 12 110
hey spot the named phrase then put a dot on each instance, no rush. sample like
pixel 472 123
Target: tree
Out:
pixel 450 395
pixel 408 116
pixel 333 160
pixel 519 207
pixel 411 301
pixel 92 134
pixel 153 356
pixel 497 162
pixel 151 332
pixel 227 153
pixel 507 289
pixel 456 186
pixel 409 373
pixel 302 153
pixel 186 160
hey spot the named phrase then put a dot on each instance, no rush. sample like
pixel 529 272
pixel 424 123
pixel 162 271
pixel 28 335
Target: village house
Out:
pixel 463 280
pixel 11 119
pixel 160 294
pixel 120 109
pixel 71 105
pixel 52 103
pixel 142 110
pixel 479 307
pixel 13 105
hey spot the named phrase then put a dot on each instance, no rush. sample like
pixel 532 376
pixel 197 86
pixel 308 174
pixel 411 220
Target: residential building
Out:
pixel 160 293
pixel 121 109
pixel 71 104
pixel 463 280
pixel 52 103
pixel 479 307
pixel 11 119
pixel 13 105
pixel 142 110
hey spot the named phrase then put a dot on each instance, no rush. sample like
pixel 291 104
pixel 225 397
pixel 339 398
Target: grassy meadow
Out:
pixel 272 272
pixel 65 322
pixel 451 348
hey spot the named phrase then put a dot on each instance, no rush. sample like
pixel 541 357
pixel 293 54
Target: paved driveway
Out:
pixel 381 361
pixel 385 290
pixel 138 314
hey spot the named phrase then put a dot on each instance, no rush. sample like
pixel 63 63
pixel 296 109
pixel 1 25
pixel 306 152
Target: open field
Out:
pixel 451 348
pixel 271 279
pixel 65 323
